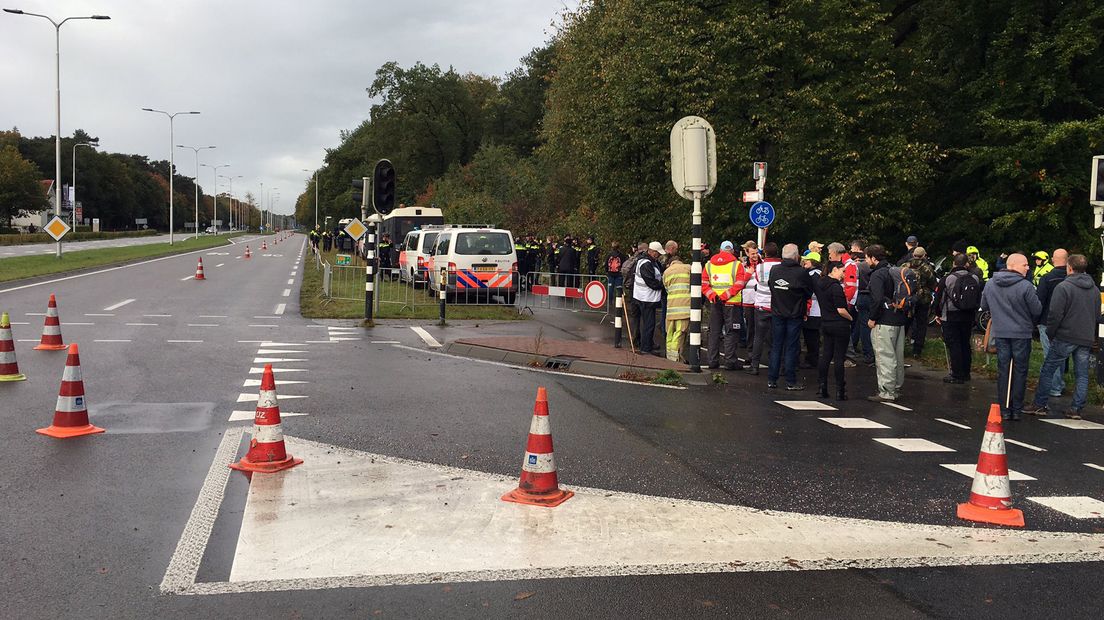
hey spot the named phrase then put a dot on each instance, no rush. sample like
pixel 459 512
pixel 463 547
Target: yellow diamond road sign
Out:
pixel 57 228
pixel 355 229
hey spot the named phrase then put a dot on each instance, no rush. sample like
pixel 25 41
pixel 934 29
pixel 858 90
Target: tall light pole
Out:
pixel 231 180
pixel 315 196
pixel 197 149
pixel 214 194
pixel 73 214
pixel 172 161
pixel 57 102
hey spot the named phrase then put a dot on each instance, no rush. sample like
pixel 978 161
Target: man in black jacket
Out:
pixel 648 291
pixel 1071 323
pixel 1047 284
pixel 790 287
pixel 887 326
pixel 957 323
pixel 568 262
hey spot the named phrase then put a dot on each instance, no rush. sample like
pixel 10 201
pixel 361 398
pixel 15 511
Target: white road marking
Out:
pixel 1080 425
pixel 1078 507
pixel 294 272
pixel 896 406
pixel 426 337
pixel 141 324
pixel 185 341
pixel 20 323
pixel 257 371
pixel 277 351
pixel 264 325
pixel 110 341
pixel 1095 466
pixel 35 314
pixel 854 423
pixel 252 397
pixel 286 293
pixel 968 469
pixel 386 342
pixel 97 314
pixel 202 325
pixel 257 383
pixel 536 370
pixel 1024 445
pixel 29 340
pixel 276 360
pixel 912 444
pixel 320 341
pixel 238 416
pixel 291 281
pixel 213 316
pixel 279 309
pixel 270 344
pixel 186 279
pixel 343 339
pixel 945 421
pixel 220 264
pixel 806 405
pixel 281 553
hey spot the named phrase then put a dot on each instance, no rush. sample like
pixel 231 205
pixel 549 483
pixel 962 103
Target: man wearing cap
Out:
pixel 814 246
pixel 810 330
pixel 647 291
pixel 910 245
pixel 925 277
pixel 722 284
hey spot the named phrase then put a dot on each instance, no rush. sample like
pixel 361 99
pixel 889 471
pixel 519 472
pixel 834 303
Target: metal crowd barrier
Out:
pixel 575 292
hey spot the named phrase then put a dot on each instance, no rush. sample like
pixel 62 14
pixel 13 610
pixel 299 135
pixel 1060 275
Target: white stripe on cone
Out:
pixel 993 443
pixel 71 404
pixel 71 373
pixel 7 357
pixel 267 399
pixel 268 433
pixel 540 426
pixel 996 487
pixel 545 463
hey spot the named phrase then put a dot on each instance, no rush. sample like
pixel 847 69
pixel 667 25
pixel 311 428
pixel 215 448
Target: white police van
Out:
pixel 479 265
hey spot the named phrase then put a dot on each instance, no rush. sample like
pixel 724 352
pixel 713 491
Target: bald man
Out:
pixel 1045 291
pixel 1015 307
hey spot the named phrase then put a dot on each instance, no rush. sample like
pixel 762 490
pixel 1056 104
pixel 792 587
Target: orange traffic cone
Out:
pixel 264 245
pixel 991 493
pixel 9 368
pixel 51 329
pixel 71 412
pixel 267 453
pixel 199 270
pixel 247 254
pixel 539 485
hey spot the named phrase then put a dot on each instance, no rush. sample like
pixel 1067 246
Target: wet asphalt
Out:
pixel 89 525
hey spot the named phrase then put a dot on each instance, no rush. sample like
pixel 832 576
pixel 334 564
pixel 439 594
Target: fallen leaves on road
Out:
pixel 521 596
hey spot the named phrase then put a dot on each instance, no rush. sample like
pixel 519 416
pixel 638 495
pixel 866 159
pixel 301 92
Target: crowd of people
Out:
pixel 835 306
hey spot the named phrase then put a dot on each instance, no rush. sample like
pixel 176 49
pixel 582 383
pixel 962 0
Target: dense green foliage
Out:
pixel 948 119
pixel 117 188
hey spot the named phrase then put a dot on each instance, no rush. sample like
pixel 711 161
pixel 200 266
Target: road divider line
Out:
pixel 35 314
pixel 257 371
pixel 141 324
pixel 257 383
pixel 896 406
pixel 287 292
pixel 276 360
pixel 252 397
pixel 1024 445
pixel 280 309
pixel 28 340
pixel 120 304
pixel 291 281
pixel 309 341
pixel 945 421
pixel 545 371
pixel 426 336
pixel 258 325
pixel 20 323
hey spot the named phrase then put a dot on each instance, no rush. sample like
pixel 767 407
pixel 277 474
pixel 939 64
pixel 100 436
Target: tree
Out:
pixel 20 191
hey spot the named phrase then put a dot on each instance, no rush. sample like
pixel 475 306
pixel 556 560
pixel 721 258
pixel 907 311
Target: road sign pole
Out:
pixel 443 294
pixel 59 249
pixel 369 271
pixel 760 187
pixel 693 353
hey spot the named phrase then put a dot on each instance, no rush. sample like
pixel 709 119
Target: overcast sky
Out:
pixel 274 80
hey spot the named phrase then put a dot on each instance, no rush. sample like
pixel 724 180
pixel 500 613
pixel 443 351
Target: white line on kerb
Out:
pixel 120 304
pixel 287 292
pixel 945 421
pixel 280 308
pixel 426 336
pixel 1025 445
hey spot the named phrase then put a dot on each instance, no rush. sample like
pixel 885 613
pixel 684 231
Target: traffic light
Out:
pixel 358 193
pixel 383 187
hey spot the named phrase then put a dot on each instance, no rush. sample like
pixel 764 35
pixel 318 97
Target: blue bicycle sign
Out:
pixel 761 214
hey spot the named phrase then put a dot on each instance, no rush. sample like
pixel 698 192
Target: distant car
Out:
pixel 210 230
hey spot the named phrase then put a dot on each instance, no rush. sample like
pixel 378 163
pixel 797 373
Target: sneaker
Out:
pixel 1036 410
pixel 1072 414
pixel 763 366
pixel 751 371
pixel 797 387
pixel 848 363
pixel 714 366
pixel 950 379
pixel 1055 394
pixel 771 385
pixel 878 398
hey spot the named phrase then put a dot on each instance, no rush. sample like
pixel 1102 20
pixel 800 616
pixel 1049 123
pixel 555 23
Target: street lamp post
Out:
pixel 197 149
pixel 57 102
pixel 231 180
pixel 73 213
pixel 315 196
pixel 172 161
pixel 214 194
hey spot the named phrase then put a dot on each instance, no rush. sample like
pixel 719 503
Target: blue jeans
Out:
pixel 860 331
pixel 1058 381
pixel 1059 351
pixel 787 341
pixel 1017 352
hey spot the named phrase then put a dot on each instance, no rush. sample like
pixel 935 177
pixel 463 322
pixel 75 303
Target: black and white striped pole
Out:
pixel 694 175
pixel 617 328
pixel 370 271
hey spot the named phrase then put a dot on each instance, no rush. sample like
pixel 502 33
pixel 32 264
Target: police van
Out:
pixel 479 264
pixel 415 252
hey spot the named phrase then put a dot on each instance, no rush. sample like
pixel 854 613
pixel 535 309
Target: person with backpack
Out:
pixel 614 280
pixel 648 291
pixel 628 275
pixel 1044 290
pixel 1015 308
pixel 925 278
pixel 890 304
pixel 957 299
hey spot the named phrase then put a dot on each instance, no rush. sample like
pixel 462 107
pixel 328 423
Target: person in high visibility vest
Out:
pixel 974 256
pixel 1042 266
pixel 722 284
pixel 676 281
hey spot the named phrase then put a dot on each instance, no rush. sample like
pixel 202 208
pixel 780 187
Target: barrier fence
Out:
pixel 460 288
pixel 575 292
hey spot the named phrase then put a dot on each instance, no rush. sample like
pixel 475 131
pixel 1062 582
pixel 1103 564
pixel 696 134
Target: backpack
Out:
pixel 628 271
pixel 613 264
pixel 965 293
pixel 906 289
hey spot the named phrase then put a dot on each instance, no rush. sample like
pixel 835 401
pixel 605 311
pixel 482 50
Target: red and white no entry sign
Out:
pixel 595 295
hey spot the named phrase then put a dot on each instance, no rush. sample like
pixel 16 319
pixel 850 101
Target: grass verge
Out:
pixel 21 267
pixel 421 305
pixel 934 356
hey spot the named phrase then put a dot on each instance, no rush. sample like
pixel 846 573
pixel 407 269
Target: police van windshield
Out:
pixel 484 243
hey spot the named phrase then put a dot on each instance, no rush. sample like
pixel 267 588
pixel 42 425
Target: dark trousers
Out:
pixel 723 324
pixel 747 339
pixel 918 330
pixel 1012 354
pixel 634 318
pixel 956 335
pixel 763 336
pixel 787 346
pixel 810 332
pixel 835 336
pixel 860 331
pixel 647 324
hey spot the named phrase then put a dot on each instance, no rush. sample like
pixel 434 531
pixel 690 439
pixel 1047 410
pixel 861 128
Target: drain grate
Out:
pixel 560 362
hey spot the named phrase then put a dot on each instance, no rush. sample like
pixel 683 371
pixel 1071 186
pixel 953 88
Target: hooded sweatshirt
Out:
pixel 1012 301
pixel 1074 310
